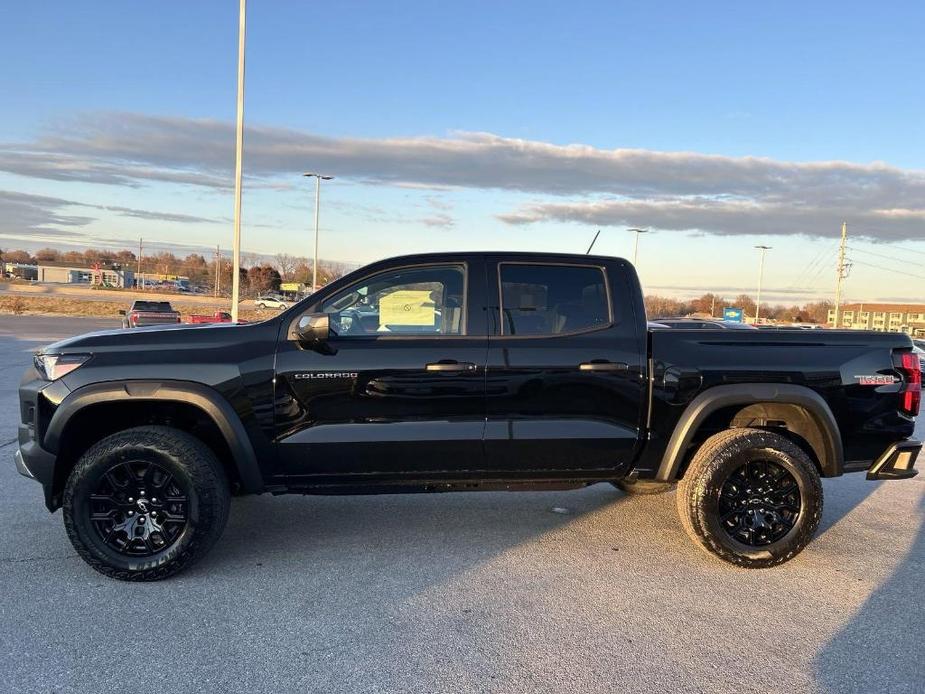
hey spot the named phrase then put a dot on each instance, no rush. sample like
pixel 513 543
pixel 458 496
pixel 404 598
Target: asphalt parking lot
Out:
pixel 461 592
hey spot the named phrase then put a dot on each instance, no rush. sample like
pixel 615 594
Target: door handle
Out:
pixel 601 365
pixel 450 365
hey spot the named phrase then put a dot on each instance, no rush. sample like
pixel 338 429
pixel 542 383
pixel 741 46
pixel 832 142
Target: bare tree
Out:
pixel 286 265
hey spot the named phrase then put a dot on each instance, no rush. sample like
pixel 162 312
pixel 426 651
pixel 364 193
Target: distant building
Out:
pixel 154 280
pixel 20 270
pixel 105 275
pixel 891 318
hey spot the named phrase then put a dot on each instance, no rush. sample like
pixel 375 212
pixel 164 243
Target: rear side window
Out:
pixel 552 299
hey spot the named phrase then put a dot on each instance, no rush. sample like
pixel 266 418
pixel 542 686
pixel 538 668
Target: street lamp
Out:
pixel 238 168
pixel 763 249
pixel 636 243
pixel 318 179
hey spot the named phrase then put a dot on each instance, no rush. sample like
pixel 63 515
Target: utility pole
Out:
pixel 763 249
pixel 138 281
pixel 238 164
pixel 218 269
pixel 842 269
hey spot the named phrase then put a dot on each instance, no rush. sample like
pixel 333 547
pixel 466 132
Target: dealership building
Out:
pixel 892 318
pixel 107 275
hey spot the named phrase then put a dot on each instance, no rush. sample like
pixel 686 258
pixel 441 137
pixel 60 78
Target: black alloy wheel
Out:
pixel 139 508
pixel 759 503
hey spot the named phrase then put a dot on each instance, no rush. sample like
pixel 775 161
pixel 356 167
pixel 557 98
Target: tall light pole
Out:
pixel 318 179
pixel 636 243
pixel 238 164
pixel 763 249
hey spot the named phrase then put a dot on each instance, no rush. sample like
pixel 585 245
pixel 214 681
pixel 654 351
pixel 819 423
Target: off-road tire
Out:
pixel 644 487
pixel 191 463
pixel 700 488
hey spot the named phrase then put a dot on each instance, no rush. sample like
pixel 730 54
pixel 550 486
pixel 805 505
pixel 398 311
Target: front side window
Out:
pixel 411 301
pixel 552 299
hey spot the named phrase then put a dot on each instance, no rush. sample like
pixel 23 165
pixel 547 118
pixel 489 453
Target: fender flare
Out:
pixel 216 407
pixel 831 458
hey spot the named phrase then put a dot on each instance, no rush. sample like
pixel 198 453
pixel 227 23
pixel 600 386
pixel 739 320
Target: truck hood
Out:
pixel 154 336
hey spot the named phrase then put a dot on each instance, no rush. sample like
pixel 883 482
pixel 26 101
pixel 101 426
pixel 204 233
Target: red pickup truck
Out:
pixel 217 317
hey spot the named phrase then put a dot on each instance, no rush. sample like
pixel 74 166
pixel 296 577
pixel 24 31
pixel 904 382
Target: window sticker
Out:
pixel 408 307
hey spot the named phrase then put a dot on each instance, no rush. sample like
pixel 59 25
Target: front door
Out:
pixel 398 389
pixel 565 382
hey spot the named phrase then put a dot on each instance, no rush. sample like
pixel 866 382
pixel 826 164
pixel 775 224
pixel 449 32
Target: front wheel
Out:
pixel 146 502
pixel 751 497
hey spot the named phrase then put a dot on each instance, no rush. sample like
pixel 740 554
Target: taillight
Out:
pixel 911 369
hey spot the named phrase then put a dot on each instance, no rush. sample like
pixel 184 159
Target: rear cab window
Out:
pixel 552 299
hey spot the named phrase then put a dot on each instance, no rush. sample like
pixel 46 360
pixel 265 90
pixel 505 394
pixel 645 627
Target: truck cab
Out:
pixel 508 365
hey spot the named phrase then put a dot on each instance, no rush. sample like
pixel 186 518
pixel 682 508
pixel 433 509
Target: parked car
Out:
pixel 460 372
pixel 143 313
pixel 703 324
pixel 271 301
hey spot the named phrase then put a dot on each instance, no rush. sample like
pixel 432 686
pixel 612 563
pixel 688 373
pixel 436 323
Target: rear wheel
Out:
pixel 751 497
pixel 144 503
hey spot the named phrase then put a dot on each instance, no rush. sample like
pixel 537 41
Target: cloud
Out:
pixel 667 190
pixel 26 214
pixel 438 220
pixel 158 216
pixel 730 216
pixel 37 214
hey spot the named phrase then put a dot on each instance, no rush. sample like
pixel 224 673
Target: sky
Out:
pixel 469 126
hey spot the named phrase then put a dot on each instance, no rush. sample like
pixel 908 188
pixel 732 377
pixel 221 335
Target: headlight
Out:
pixel 51 367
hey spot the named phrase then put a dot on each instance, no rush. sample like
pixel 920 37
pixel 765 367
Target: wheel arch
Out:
pixel 224 430
pixel 808 420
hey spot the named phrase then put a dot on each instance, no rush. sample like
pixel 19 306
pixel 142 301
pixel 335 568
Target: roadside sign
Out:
pixel 733 314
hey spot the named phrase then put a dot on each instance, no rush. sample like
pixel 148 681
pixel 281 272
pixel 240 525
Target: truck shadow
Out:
pixel 842 496
pixel 883 647
pixel 436 535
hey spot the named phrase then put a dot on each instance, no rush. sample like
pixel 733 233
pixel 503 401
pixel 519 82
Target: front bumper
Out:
pixel 37 464
pixel 897 462
pixel 21 466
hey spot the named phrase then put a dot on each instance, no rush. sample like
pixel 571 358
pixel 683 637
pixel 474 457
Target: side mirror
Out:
pixel 314 328
pixel 121 311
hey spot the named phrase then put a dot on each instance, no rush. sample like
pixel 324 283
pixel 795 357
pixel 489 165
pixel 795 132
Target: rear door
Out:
pixel 565 380
pixel 399 388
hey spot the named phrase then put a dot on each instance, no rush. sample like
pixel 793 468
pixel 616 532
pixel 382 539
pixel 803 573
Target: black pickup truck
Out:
pixel 457 372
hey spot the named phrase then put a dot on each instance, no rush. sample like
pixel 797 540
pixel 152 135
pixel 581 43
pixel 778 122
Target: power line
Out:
pixel 889 269
pixel 879 255
pixel 899 248
pixel 798 279
pixel 815 276
pixel 815 269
